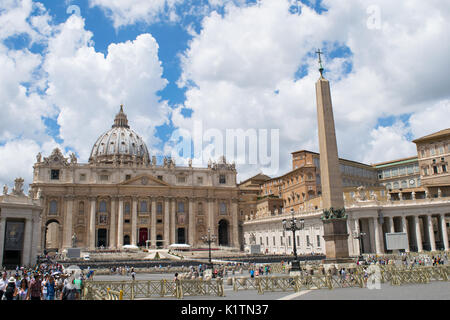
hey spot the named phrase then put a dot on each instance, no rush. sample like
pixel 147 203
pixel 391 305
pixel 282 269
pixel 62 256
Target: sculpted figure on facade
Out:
pixel 18 187
pixel 439 193
pixel 5 189
pixel 73 158
pixel 154 161
pixel 413 195
pixel 39 158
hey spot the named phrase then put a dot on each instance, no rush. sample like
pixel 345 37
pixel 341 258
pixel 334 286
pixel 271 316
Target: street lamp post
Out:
pixel 209 239
pixel 294 225
pixel 359 236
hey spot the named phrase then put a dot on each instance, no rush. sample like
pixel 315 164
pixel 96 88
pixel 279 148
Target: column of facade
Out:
pixel 134 221
pixel 391 224
pixel 112 224
pixel 210 215
pixel 166 223
pixel 2 237
pixel 36 237
pixel 68 225
pixel 92 224
pixel 444 231
pixel 153 222
pixel 405 230
pixel 27 243
pixel 235 221
pixel 431 233
pixel 358 233
pixel 120 224
pixel 378 240
pixel 173 224
pixel 418 234
pixel 191 228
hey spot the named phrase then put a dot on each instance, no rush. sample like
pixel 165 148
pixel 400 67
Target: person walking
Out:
pixel 69 291
pixel 50 285
pixel 3 284
pixel 11 290
pixel 35 288
pixel 44 287
pixel 23 293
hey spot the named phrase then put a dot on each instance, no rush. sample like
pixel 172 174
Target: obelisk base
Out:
pixel 336 241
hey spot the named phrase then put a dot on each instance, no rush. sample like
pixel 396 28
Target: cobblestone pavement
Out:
pixel 437 290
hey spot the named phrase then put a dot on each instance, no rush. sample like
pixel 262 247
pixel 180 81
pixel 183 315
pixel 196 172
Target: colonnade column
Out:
pixel 378 240
pixel 405 230
pixel 153 226
pixel 134 221
pixel 235 221
pixel 68 226
pixel 112 224
pixel 431 233
pixel 2 233
pixel 166 223
pixel 444 231
pixel 191 229
pixel 418 234
pixel 120 225
pixel 92 224
pixel 173 222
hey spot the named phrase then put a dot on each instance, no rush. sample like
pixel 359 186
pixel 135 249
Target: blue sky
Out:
pixel 224 64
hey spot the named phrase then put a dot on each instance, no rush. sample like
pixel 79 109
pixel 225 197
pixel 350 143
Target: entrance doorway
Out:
pixel 143 236
pixel 159 242
pixel 181 235
pixel 223 233
pixel 126 240
pixel 13 243
pixel 102 237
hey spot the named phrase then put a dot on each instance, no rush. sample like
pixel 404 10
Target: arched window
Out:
pixel 102 206
pixel 396 185
pixel 181 206
pixel 404 184
pixel 53 209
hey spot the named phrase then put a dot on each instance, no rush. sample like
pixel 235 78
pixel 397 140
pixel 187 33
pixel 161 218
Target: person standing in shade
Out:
pixel 10 291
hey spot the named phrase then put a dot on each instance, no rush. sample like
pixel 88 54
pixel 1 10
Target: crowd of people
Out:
pixel 47 281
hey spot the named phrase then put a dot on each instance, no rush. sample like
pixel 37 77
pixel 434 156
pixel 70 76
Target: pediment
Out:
pixel 144 180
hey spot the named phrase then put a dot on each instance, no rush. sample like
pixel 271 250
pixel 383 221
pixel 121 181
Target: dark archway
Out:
pixel 102 239
pixel 126 240
pixel 223 233
pixel 181 235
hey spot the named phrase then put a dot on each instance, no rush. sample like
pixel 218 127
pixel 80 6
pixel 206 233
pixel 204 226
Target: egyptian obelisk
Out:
pixel 335 228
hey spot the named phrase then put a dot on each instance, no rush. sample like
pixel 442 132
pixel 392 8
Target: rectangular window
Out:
pixel 159 208
pixel 410 169
pixel 200 180
pixel 160 178
pixel 104 177
pixel 143 206
pixel 432 151
pixel 281 241
pixel 260 241
pixel 425 171
pixel 387 173
pixel 307 241
pixel 267 241
pixel 289 240
pixel 394 172
pixel 274 240
pixel 127 208
pixel 223 208
pixel 82 177
pixel 159 221
pixel 441 150
pixel 422 152
pixel 402 171
pixel 318 240
pixel 180 206
pixel 435 170
pixel 54 174
pixel 181 179
pixel 222 179
pixel 128 177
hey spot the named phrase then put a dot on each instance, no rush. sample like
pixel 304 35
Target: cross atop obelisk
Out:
pixel 320 62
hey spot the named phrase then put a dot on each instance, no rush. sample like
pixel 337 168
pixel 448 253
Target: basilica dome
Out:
pixel 120 144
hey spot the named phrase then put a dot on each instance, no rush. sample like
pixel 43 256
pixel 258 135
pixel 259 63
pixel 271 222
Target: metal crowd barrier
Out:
pixel 130 290
pixel 357 279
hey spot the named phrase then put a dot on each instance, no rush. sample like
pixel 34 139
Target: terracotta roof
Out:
pixel 439 134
